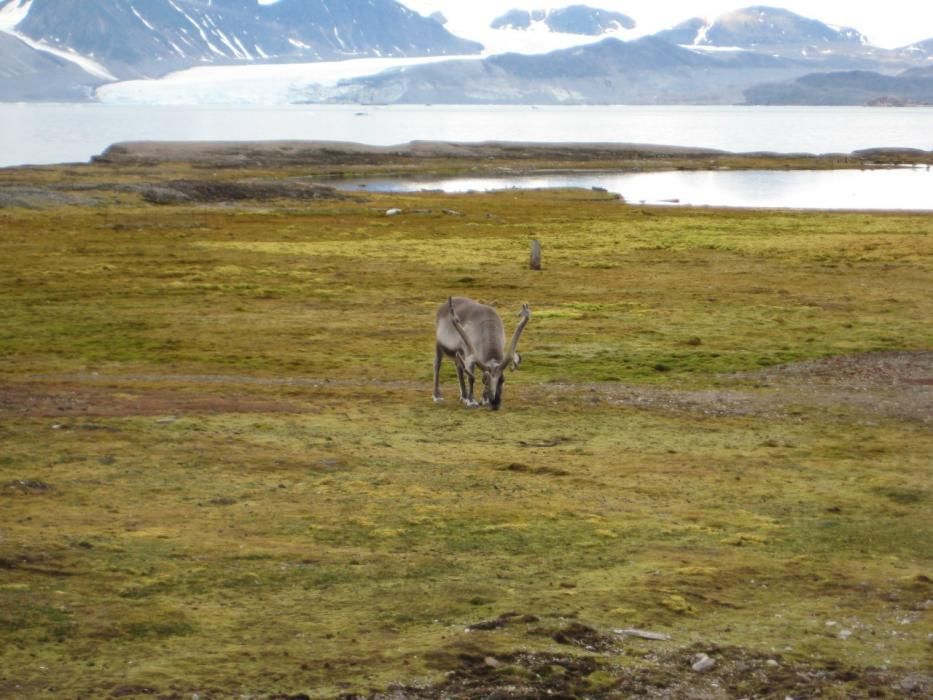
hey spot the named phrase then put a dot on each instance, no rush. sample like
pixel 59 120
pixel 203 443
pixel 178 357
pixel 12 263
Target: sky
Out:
pixel 888 24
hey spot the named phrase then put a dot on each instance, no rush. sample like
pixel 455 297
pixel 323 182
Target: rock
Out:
pixel 393 211
pixel 644 634
pixel 702 662
pixel 156 194
pixel 535 261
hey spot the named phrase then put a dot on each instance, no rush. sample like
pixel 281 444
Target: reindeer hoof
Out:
pixel 438 399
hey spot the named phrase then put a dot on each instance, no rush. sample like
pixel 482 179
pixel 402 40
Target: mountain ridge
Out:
pixel 573 19
pixel 643 71
pixel 696 61
pixel 760 26
pixel 168 34
pixel 152 39
pixel 853 88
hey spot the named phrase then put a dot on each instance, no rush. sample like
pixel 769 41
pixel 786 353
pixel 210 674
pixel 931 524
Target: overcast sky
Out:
pixel 888 24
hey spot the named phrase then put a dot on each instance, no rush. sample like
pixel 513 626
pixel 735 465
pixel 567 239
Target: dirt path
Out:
pixel 896 385
pixel 885 384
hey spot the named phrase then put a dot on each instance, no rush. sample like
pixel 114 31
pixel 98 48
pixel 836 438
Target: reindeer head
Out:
pixel 493 382
pixel 493 368
pixel 494 377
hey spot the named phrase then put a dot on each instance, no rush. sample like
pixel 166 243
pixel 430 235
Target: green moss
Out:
pixel 602 681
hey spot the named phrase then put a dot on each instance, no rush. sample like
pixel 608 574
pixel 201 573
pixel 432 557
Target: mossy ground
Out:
pixel 222 472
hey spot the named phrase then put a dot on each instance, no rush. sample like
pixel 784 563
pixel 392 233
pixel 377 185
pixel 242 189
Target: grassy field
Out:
pixel 222 473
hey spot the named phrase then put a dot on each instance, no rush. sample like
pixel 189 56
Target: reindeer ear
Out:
pixel 516 360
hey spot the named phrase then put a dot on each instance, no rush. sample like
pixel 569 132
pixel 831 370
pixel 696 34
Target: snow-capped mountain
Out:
pixel 236 51
pixel 149 38
pixel 763 27
pixel 62 49
pixel 575 19
pixel 697 62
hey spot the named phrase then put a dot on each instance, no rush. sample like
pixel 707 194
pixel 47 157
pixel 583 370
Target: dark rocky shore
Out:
pixel 614 155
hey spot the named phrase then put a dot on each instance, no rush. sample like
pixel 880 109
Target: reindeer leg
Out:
pixel 464 375
pixel 462 379
pixel 438 356
pixel 471 402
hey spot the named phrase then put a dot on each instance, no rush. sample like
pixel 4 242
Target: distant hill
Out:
pixel 914 86
pixel 645 71
pixel 575 19
pixel 921 51
pixel 518 19
pixel 762 27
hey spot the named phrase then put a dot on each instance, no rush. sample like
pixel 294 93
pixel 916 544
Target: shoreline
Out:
pixel 490 155
pixel 210 172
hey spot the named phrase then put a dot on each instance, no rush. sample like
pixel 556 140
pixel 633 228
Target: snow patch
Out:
pixel 142 19
pixel 243 48
pixel 199 28
pixel 708 48
pixel 13 13
pixel 177 49
pixel 702 36
pixel 229 44
pixel 338 38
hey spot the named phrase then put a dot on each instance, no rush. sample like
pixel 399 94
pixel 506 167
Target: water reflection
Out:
pixel 903 188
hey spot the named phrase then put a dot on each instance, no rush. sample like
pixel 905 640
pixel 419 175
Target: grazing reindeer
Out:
pixel 472 335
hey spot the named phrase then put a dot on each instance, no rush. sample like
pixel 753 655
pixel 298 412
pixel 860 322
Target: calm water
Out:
pixel 56 133
pixel 903 188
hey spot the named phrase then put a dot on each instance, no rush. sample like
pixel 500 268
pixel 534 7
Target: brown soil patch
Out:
pixel 208 192
pixel 72 399
pixel 893 385
pixel 881 385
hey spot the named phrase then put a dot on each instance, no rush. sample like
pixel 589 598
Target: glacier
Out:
pixel 254 84
pixel 291 83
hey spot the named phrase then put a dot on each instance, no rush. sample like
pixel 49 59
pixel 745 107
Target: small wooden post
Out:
pixel 535 255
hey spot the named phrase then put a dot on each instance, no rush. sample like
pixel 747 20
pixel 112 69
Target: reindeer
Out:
pixel 473 336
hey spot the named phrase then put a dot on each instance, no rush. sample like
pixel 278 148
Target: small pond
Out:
pixel 889 189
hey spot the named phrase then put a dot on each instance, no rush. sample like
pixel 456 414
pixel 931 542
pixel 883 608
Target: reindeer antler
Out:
pixel 525 315
pixel 455 320
pixel 461 363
